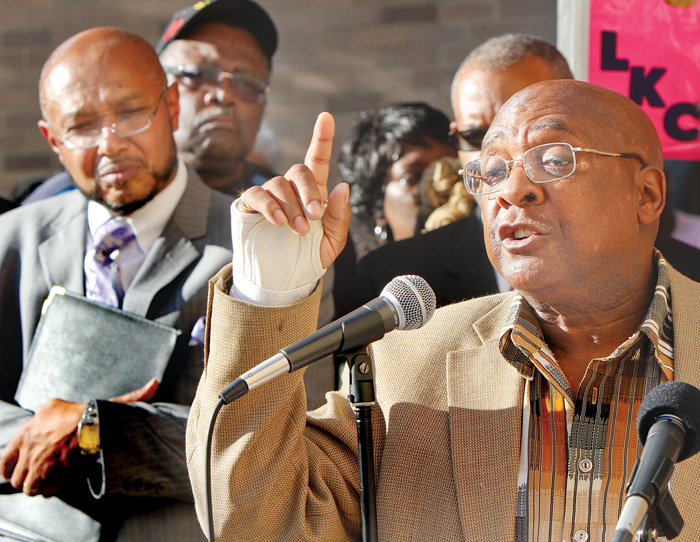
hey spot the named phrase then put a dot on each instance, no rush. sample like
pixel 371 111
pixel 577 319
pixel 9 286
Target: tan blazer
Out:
pixel 446 432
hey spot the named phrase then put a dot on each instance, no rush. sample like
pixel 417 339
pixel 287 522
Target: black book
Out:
pixel 84 349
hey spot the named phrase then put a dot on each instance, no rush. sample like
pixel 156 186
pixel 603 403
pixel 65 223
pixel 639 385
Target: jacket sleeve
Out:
pixel 278 473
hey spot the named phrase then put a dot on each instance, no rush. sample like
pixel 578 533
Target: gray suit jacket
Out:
pixel 146 480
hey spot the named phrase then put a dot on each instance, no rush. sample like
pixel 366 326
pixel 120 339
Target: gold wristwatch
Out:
pixel 89 430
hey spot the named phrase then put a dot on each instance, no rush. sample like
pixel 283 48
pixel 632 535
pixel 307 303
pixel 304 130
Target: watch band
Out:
pixel 89 429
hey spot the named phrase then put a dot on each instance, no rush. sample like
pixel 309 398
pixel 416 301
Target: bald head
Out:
pixel 601 116
pixel 589 234
pixel 90 53
pixel 109 117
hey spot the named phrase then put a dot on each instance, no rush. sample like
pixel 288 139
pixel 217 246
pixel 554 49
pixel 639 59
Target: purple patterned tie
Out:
pixel 101 270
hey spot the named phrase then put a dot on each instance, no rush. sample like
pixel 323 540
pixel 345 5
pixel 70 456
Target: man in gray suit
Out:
pixel 109 116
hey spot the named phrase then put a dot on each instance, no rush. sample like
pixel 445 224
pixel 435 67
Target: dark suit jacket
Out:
pixel 44 244
pixel 685 258
pixel 452 259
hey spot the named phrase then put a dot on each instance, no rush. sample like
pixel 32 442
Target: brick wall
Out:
pixel 335 55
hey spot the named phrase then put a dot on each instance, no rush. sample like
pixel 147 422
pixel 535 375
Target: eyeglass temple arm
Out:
pixel 614 154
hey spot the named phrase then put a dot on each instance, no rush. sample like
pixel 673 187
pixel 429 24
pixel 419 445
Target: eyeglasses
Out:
pixel 542 164
pixel 243 86
pixel 468 140
pixel 88 137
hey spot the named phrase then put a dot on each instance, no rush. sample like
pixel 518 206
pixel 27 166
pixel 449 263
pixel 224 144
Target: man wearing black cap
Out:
pixel 220 54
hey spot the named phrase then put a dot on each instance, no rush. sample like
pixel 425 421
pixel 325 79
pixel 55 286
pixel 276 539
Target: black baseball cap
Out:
pixel 244 14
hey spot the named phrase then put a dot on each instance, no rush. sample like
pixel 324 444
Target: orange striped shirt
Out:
pixel 578 453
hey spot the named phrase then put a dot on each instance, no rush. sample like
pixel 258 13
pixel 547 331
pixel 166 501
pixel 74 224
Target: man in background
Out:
pixel 453 258
pixel 220 54
pixel 142 233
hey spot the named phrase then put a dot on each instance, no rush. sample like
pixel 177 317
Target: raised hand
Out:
pixel 302 195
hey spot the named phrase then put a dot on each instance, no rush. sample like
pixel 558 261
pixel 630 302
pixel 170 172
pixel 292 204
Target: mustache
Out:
pixel 214 111
pixel 106 166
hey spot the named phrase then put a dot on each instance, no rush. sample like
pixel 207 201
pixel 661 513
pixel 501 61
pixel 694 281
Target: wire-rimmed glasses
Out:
pixel 542 164
pixel 88 137
pixel 243 86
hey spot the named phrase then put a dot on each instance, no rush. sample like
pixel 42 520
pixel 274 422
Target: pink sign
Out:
pixel 649 50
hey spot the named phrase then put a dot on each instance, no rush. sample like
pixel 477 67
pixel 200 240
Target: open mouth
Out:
pixel 519 235
pixel 522 233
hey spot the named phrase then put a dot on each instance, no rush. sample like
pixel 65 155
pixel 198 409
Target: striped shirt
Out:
pixel 577 453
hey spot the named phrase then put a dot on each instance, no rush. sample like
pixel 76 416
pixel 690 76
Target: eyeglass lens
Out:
pixel 89 137
pixel 86 139
pixel 542 164
pixel 242 86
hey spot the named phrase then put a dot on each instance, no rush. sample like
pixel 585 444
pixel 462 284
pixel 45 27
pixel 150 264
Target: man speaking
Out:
pixel 505 418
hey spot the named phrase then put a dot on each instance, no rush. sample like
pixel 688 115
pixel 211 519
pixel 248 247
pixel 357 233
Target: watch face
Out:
pixel 89 430
pixel 89 437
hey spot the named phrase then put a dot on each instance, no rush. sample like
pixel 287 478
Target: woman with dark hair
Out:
pixel 383 159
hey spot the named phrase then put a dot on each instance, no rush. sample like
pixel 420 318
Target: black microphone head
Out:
pixel 676 398
pixel 413 299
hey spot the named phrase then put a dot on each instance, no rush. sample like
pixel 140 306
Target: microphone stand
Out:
pixel 662 520
pixel 362 399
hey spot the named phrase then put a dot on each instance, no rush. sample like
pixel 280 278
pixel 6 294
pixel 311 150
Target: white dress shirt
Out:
pixel 148 223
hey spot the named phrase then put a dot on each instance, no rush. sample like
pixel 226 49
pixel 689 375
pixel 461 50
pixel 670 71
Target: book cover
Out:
pixel 84 349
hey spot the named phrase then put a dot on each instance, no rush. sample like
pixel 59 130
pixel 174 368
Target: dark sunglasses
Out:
pixel 468 140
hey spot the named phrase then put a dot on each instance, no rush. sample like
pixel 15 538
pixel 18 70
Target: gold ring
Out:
pixel 244 207
pixel 29 490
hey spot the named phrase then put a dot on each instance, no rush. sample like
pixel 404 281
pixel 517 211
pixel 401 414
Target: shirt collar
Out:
pixel 149 221
pixel 521 337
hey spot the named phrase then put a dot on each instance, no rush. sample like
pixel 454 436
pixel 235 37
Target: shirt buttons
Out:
pixel 585 465
pixel 581 536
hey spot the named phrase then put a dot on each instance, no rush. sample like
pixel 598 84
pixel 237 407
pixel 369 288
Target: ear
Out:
pixel 172 99
pixel 651 182
pixel 45 130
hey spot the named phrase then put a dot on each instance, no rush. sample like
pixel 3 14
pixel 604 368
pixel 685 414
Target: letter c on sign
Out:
pixel 671 117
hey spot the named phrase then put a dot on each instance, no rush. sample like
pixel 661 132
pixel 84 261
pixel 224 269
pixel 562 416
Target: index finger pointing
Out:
pixel 318 156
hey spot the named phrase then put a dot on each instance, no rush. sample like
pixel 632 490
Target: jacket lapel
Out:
pixel 174 250
pixel 485 398
pixel 685 484
pixel 61 255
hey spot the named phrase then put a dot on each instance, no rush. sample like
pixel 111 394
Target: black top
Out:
pixel 452 259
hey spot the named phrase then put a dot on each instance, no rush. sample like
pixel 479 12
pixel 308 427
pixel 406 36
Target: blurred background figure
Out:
pixel 383 159
pixel 220 55
pixel 267 150
pixel 452 255
pixel 443 197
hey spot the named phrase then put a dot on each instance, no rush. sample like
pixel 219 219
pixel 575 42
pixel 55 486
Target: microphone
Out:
pixel 668 424
pixel 407 302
